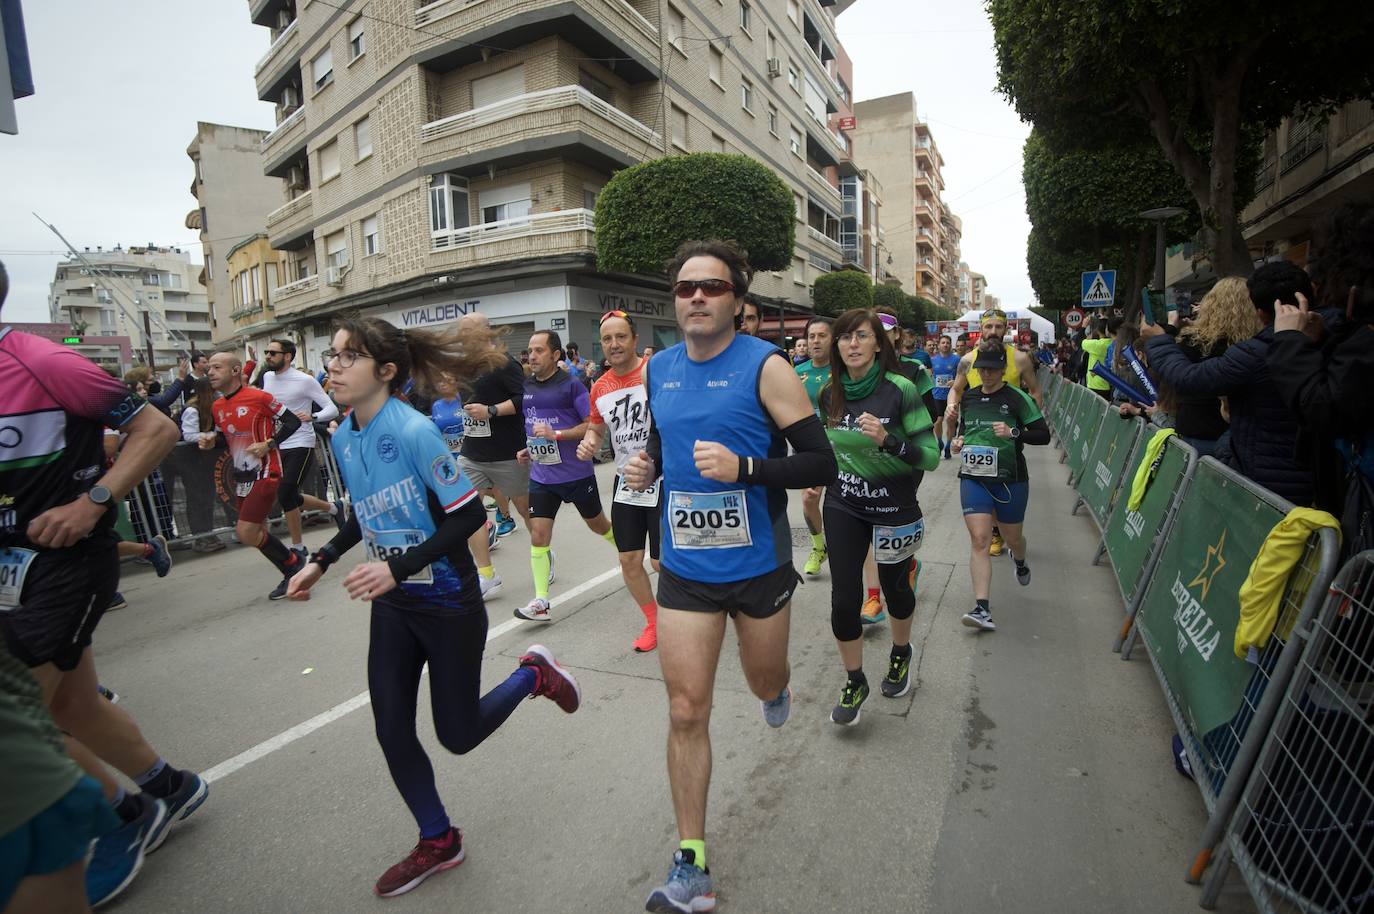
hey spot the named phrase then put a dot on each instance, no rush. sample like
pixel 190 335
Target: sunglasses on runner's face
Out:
pixel 711 288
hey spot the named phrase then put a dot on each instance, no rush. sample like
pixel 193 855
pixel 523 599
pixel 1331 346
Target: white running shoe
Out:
pixel 537 610
pixel 490 586
pixel 980 619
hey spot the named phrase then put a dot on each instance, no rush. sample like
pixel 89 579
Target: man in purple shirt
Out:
pixel 556 407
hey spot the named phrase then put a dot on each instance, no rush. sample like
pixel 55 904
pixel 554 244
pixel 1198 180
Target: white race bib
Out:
pixel 387 544
pixel 476 428
pixel 14 567
pixel 894 545
pixel 710 520
pixel 241 489
pixel 980 460
pixel 628 496
pixel 453 441
pixel 544 452
pixel 944 380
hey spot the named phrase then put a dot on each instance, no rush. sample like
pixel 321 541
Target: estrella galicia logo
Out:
pixel 445 472
pixel 387 449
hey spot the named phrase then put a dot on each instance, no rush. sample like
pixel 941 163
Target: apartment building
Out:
pixel 446 157
pixel 922 235
pixel 233 198
pixel 253 268
pixel 109 294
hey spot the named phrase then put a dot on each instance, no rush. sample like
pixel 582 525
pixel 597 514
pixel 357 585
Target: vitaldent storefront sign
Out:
pixel 538 305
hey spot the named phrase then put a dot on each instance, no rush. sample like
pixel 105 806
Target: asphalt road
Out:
pixel 1029 769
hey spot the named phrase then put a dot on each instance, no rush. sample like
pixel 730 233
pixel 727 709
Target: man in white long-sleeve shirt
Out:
pixel 302 394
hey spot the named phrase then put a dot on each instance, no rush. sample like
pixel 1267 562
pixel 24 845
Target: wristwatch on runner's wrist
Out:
pixel 491 411
pixel 1015 432
pixel 100 495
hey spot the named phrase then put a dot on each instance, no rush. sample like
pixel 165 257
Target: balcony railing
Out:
pixel 282 213
pixel 817 235
pixel 291 120
pixel 1265 177
pixel 286 35
pixel 1303 147
pixel 532 102
pixel 826 189
pixel 568 220
pixel 433 12
pixel 300 286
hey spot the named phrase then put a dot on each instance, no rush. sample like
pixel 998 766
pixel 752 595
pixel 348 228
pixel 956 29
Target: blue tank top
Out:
pixel 717 532
pixel 402 481
pixel 448 415
pixel 945 368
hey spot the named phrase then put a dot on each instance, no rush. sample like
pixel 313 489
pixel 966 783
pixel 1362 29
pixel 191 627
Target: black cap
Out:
pixel 991 358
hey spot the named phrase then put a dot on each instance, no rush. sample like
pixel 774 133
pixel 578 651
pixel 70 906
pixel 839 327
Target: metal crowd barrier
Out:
pixel 1303 832
pixel 190 496
pixel 1101 479
pixel 1084 423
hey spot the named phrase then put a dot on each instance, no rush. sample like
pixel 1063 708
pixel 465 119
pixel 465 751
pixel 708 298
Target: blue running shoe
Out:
pixel 505 525
pixel 775 712
pixel 118 855
pixel 161 557
pixel 687 891
pixel 117 602
pixel 185 800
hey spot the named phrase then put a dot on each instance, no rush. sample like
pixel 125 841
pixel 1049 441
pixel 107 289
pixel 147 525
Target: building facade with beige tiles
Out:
pixel 438 158
pixel 922 234
pixel 233 198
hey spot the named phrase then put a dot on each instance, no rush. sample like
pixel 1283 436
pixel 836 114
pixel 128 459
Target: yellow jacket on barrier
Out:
pixel 1264 585
pixel 1148 467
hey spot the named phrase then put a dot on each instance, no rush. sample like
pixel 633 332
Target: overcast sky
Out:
pixel 101 150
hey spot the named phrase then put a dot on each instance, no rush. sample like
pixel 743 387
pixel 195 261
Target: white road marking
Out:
pixel 305 728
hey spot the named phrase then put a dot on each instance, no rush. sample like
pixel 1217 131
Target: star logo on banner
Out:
pixel 1203 577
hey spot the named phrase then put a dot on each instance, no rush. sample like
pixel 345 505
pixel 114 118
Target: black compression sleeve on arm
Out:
pixel 287 423
pixel 654 447
pixel 1038 432
pixel 812 465
pixel 452 533
pixel 344 540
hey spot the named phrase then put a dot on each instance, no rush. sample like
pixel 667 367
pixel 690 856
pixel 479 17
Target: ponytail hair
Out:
pixel 463 352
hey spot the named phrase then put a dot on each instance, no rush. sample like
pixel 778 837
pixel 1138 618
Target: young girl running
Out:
pixel 414 510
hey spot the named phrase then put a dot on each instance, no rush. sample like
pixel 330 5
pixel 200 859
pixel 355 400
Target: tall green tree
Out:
pixel 837 292
pixel 1197 75
pixel 645 211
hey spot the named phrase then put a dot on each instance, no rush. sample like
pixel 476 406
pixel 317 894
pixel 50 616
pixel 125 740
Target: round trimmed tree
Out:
pixel 645 211
pixel 838 292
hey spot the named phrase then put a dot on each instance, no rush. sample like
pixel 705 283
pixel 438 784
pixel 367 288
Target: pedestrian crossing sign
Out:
pixel 1099 288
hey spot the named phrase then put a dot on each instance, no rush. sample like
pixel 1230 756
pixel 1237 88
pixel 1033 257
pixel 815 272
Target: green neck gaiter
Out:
pixel 857 390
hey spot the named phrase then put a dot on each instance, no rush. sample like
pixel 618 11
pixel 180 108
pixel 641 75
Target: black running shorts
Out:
pixel 757 598
pixel 296 464
pixel 632 525
pixel 65 593
pixel 547 498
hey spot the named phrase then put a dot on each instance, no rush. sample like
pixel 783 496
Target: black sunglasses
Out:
pixel 711 288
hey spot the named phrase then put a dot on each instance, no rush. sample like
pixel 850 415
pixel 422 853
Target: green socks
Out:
pixel 539 566
pixel 818 541
pixel 609 536
pixel 698 849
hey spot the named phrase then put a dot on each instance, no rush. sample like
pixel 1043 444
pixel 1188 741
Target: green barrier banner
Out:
pixel 1087 421
pixel 1130 535
pixel 1190 611
pixel 1064 408
pixel 1101 477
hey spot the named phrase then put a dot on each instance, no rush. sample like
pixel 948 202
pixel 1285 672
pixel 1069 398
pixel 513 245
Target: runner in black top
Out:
pixel 995 421
pixel 883 441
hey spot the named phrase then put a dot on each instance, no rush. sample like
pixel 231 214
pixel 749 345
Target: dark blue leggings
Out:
pixel 452 645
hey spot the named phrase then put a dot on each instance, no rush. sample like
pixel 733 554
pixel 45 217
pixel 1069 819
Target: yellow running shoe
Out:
pixel 872 611
pixel 996 547
pixel 814 563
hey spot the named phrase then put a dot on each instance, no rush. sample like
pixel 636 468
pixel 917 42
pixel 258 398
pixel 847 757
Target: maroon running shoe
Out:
pixel 553 681
pixel 430 856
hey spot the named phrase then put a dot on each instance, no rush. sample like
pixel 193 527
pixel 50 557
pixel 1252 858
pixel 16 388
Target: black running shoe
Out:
pixel 898 680
pixel 852 696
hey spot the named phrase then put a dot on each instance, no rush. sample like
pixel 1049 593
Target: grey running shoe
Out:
pixel 687 891
pixel 775 712
pixel 852 697
pixel 980 619
pixel 898 680
pixel 1023 575
pixel 161 557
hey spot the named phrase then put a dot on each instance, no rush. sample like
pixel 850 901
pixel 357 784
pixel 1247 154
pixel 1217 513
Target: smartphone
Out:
pixel 1145 306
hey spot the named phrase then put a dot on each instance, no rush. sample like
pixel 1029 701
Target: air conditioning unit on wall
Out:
pixel 334 276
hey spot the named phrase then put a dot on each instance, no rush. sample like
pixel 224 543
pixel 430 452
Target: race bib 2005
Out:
pixel 476 428
pixel 980 460
pixel 14 567
pixel 387 544
pixel 709 520
pixel 628 496
pixel 543 451
pixel 894 545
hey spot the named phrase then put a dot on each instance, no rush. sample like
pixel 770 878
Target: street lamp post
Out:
pixel 1159 216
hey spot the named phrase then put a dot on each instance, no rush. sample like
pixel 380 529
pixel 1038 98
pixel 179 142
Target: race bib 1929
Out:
pixel 709 520
pixel 980 460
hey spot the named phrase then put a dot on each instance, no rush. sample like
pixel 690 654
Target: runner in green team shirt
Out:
pixel 995 422
pixel 815 374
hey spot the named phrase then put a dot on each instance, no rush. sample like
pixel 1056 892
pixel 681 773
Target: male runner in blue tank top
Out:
pixel 723 407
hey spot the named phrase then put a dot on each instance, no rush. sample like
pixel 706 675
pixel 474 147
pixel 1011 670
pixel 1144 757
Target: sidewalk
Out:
pixel 1028 770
